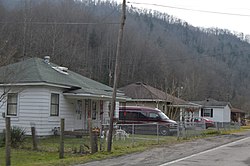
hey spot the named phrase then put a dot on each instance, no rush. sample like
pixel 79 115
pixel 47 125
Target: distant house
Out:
pixel 218 111
pixel 141 94
pixel 38 92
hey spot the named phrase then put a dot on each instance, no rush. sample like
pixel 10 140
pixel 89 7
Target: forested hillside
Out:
pixel 158 49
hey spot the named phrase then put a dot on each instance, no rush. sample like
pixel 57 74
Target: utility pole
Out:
pixel 117 68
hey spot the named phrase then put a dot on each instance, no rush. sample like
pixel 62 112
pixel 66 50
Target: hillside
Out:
pixel 158 49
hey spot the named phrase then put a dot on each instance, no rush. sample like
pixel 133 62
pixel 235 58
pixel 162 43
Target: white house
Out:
pixel 40 93
pixel 218 111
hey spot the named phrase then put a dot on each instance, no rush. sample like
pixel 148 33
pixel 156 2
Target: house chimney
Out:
pixel 46 59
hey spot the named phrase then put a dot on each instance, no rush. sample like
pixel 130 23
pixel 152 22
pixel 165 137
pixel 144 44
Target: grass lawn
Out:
pixel 48 154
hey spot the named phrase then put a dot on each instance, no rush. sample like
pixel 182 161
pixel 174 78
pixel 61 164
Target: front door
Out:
pixel 79 115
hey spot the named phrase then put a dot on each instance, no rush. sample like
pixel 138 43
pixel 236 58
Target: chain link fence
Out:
pixel 132 133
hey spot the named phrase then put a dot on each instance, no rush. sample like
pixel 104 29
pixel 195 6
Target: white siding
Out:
pixel 67 111
pixel 227 114
pixel 34 108
pixel 217 115
pixel 2 110
pixel 220 114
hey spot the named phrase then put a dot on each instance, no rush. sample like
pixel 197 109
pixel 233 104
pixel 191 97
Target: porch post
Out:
pixel 181 114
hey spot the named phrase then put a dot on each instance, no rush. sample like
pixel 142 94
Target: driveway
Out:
pixel 164 154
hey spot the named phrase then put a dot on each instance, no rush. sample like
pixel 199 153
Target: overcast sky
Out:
pixel 202 19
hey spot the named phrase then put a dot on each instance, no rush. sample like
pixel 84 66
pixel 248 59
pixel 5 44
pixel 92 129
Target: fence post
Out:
pixel 158 133
pixel 101 137
pixel 183 130
pixel 61 148
pixel 217 126
pixel 7 141
pixel 91 138
pixel 94 147
pixel 133 133
pixel 34 139
pixel 178 130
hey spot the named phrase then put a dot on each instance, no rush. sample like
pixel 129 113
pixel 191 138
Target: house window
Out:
pixel 54 104
pixel 12 104
pixel 205 112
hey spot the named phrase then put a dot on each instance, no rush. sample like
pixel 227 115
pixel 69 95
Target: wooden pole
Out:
pixel 34 139
pixel 91 135
pixel 95 142
pixel 117 66
pixel 7 141
pixel 61 148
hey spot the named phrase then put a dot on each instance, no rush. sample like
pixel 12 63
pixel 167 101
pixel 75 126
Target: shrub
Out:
pixel 17 136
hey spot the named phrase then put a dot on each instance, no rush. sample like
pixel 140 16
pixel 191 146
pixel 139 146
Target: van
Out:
pixel 145 115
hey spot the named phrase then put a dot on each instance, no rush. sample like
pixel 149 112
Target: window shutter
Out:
pixel 201 112
pixel 211 112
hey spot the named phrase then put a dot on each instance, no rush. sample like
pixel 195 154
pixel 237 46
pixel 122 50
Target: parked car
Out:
pixel 144 118
pixel 208 122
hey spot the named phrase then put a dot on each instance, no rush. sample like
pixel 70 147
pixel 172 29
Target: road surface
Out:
pixel 219 150
pixel 233 154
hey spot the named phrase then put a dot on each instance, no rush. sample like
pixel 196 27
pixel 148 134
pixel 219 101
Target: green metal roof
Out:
pixel 36 70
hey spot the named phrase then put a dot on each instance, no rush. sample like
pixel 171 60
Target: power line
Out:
pixel 60 23
pixel 195 10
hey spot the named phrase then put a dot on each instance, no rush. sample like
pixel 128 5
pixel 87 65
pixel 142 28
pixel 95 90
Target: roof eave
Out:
pixel 36 84
pixel 185 106
pixel 209 106
pixel 154 100
pixel 92 96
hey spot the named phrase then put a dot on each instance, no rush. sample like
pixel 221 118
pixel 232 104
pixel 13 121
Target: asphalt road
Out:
pixel 218 151
pixel 233 154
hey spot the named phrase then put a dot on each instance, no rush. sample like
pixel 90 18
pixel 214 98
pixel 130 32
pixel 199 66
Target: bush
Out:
pixel 17 136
